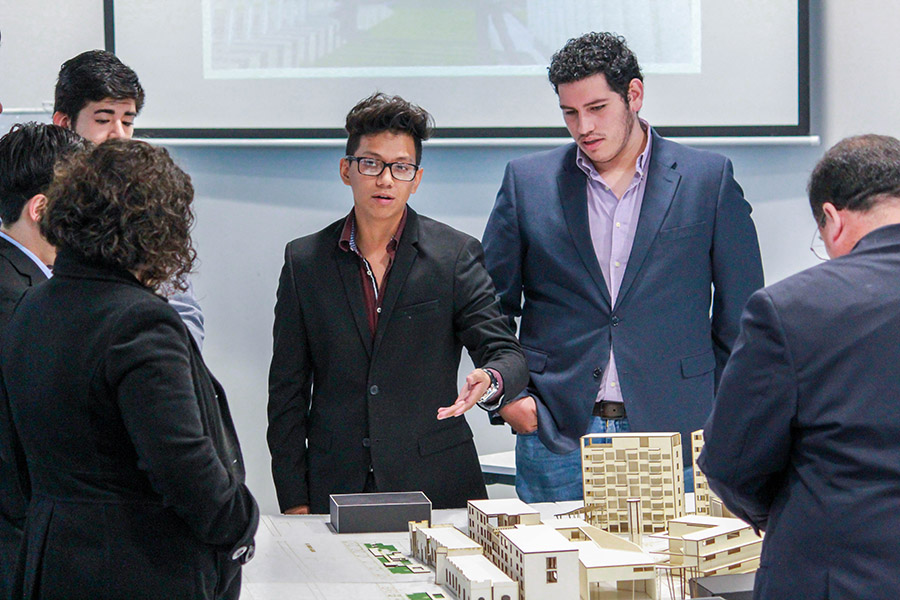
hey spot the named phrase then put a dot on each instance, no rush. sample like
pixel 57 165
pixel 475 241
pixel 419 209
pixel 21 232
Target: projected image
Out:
pixel 421 38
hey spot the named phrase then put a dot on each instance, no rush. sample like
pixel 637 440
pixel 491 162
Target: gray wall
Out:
pixel 251 201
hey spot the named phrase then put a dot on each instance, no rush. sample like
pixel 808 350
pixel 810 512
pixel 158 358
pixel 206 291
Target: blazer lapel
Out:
pixel 20 261
pixel 348 267
pixel 407 252
pixel 573 197
pixel 662 183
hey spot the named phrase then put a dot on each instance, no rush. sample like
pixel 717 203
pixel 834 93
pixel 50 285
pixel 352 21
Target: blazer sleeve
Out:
pixel 290 379
pixel 479 323
pixel 736 265
pixel 748 435
pixel 503 252
pixel 503 248
pixel 148 368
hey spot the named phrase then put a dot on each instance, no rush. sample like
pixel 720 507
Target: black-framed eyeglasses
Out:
pixel 373 167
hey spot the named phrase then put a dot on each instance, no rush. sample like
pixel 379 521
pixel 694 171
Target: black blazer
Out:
pixel 136 477
pixel 356 401
pixel 17 274
pixel 804 438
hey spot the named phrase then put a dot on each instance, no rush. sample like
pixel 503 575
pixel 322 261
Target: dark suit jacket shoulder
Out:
pixel 17 274
pixel 803 439
pixel 342 400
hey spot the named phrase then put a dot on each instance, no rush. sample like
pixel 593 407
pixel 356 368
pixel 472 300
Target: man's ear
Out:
pixel 35 207
pixel 345 171
pixel 63 120
pixel 837 218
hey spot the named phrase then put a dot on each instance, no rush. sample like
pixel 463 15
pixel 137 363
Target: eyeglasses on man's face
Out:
pixel 373 167
pixel 817 245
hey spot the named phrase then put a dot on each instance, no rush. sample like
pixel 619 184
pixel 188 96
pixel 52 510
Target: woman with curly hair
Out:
pixel 124 437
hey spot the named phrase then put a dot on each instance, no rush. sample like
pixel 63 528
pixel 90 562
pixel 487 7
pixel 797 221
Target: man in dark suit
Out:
pixel 27 156
pixel 804 437
pixel 617 243
pixel 371 317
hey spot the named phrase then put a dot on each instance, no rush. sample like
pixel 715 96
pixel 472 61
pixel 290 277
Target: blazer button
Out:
pixel 614 321
pixel 367 443
pixel 373 390
pixel 597 373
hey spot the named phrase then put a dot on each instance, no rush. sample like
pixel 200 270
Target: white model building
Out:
pixel 704 545
pixel 608 562
pixel 617 467
pixel 459 564
pixel 485 516
pixel 427 543
pixel 540 559
pixel 474 577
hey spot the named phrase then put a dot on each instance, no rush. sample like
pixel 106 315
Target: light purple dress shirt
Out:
pixel 613 222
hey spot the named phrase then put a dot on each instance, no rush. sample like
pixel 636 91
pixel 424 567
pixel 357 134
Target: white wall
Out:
pixel 251 201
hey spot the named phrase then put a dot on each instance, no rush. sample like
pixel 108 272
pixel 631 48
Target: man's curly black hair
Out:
pixel 127 205
pixel 596 54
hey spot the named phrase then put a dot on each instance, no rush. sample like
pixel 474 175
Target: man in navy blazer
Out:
pixel 634 256
pixel 804 437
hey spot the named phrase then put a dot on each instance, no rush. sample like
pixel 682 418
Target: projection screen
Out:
pixel 293 68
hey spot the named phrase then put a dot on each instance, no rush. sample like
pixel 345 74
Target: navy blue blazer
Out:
pixel 695 243
pixel 804 439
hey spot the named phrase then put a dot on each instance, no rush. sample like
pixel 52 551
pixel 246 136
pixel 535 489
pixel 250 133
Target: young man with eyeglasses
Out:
pixel 371 317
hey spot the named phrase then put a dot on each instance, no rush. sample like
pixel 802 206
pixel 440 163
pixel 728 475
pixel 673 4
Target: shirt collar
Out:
pixel 347 241
pixel 640 165
pixel 44 268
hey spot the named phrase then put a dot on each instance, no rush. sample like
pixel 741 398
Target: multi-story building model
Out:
pixel 701 545
pixel 459 564
pixel 485 516
pixel 617 467
pixel 560 558
pixel 608 559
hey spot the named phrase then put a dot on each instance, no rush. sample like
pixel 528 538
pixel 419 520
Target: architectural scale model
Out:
pixel 706 502
pixel 617 467
pixel 459 564
pixel 700 545
pixel 562 558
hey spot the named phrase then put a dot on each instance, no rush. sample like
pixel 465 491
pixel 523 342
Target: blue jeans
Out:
pixel 544 476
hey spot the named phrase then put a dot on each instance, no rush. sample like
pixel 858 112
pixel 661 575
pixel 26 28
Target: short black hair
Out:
pixel 93 76
pixel 28 154
pixel 380 112
pixel 855 174
pixel 596 54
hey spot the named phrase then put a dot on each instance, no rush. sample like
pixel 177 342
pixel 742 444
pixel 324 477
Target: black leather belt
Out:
pixel 609 410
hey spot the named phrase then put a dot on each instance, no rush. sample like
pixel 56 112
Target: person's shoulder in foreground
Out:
pixel 803 438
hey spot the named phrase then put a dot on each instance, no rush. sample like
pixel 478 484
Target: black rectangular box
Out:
pixel 390 511
pixel 729 587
